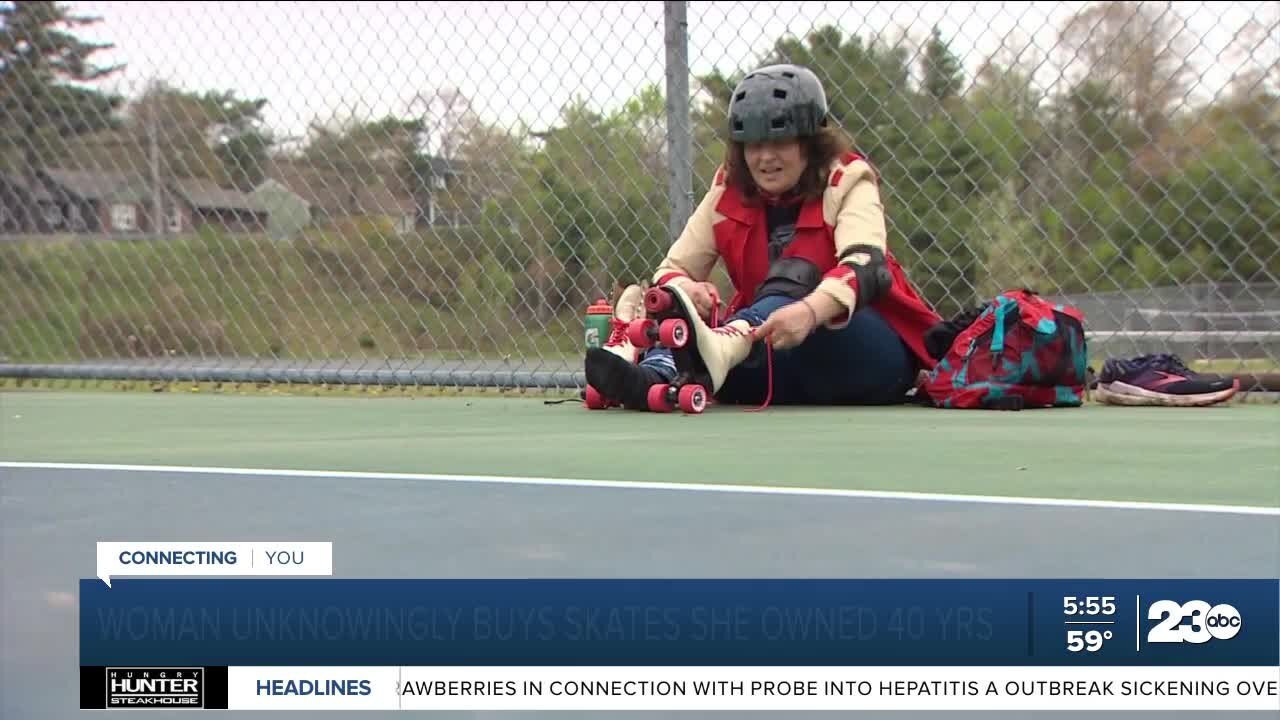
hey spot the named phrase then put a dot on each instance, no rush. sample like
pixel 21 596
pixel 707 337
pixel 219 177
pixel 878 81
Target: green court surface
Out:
pixel 1218 455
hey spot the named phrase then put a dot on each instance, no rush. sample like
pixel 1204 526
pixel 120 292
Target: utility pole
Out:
pixel 158 220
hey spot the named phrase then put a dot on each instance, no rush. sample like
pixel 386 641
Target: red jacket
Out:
pixel 849 213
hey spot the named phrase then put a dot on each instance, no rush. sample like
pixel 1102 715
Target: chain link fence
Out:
pixel 432 193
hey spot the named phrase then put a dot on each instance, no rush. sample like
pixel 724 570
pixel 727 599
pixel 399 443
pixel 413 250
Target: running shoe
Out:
pixel 1160 380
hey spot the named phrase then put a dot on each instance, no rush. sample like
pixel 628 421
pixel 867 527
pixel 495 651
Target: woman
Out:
pixel 822 312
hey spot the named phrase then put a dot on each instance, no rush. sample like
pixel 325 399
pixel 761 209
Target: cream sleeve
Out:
pixel 693 255
pixel 852 204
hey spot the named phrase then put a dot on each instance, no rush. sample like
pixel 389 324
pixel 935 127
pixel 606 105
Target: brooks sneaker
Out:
pixel 1160 380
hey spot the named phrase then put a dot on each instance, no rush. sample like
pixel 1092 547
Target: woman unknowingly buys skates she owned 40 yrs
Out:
pixel 822 313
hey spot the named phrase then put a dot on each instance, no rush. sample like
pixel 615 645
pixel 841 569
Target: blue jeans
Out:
pixel 864 363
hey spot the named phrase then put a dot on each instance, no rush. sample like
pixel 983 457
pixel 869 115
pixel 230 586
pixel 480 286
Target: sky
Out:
pixel 524 61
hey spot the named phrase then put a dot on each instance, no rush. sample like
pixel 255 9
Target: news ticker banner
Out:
pixel 289 643
pixel 676 688
pixel 561 622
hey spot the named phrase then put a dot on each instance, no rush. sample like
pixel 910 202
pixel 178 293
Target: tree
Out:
pixel 39 58
pixel 473 160
pixel 364 149
pixel 444 116
pixel 212 135
pixel 241 142
pixel 245 158
pixel 1137 52
pixel 933 206
pixel 600 231
pixel 1007 79
pixel 943 73
pixel 1094 124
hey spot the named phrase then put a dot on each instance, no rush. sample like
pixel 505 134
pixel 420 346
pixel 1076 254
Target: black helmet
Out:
pixel 777 102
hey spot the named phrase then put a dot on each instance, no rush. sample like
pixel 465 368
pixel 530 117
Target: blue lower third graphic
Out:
pixel 284 621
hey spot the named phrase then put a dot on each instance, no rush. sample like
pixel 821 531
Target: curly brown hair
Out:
pixel 820 149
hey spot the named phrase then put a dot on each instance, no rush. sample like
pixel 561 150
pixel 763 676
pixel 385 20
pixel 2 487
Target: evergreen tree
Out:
pixel 39 57
pixel 943 73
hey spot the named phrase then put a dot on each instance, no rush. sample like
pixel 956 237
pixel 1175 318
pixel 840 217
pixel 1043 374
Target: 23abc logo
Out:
pixel 1192 622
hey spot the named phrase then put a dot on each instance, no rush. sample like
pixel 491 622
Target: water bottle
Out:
pixel 597 324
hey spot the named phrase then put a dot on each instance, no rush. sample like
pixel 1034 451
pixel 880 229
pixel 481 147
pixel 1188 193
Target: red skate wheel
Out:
pixel 639 332
pixel 596 401
pixel 658 399
pixel 657 300
pixel 693 399
pixel 673 333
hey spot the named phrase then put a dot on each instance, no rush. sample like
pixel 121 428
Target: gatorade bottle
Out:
pixel 597 325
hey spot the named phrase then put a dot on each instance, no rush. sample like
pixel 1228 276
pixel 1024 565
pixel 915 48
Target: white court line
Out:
pixel 686 487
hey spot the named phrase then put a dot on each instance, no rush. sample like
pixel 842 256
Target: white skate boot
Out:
pixel 630 306
pixel 704 355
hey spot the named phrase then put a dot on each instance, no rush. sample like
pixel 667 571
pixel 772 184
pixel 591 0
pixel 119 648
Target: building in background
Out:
pixel 90 201
pixel 194 204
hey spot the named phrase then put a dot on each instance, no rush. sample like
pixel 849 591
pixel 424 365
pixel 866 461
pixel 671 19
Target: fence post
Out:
pixel 680 168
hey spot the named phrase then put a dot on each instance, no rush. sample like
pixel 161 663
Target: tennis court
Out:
pixel 506 487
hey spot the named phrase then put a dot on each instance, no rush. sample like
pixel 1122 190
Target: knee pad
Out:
pixel 791 277
pixel 871 269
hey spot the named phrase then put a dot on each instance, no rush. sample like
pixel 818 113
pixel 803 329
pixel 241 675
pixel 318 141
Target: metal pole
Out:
pixel 159 225
pixel 680 170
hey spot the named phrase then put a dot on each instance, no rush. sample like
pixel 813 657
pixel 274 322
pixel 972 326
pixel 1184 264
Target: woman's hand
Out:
pixel 705 297
pixel 794 323
pixel 789 326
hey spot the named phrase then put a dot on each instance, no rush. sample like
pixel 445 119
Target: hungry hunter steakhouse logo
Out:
pixel 161 687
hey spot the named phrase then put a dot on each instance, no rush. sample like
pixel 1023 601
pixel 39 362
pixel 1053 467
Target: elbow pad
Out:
pixel 871 270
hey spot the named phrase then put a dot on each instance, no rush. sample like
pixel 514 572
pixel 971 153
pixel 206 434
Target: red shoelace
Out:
pixel 617 332
pixel 733 331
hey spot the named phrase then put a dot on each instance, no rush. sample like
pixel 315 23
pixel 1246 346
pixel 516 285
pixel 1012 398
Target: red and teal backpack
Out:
pixel 1017 351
